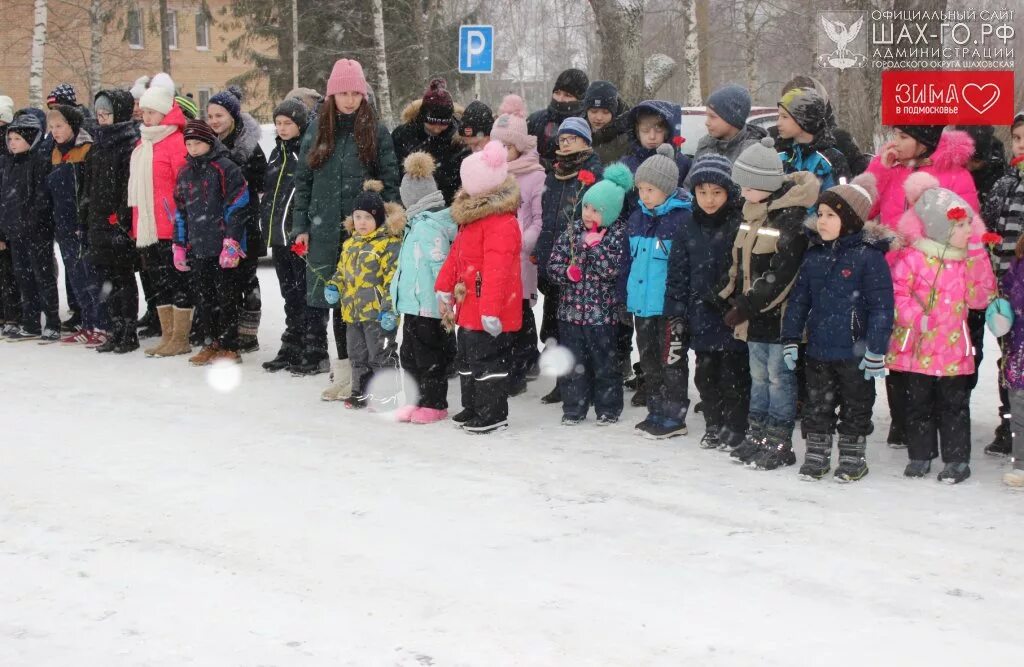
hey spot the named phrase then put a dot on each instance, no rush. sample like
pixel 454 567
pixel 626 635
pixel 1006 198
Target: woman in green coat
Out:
pixel 342 149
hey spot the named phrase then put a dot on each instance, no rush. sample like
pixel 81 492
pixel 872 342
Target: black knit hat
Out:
pixel 369 200
pixel 928 135
pixel 477 120
pixel 72 115
pixel 294 110
pixel 437 108
pixel 200 131
pixel 572 81
pixel 601 95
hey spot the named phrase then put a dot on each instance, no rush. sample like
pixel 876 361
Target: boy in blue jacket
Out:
pixel 844 298
pixel 663 207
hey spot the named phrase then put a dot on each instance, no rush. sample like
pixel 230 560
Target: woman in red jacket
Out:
pixel 482 273
pixel 155 164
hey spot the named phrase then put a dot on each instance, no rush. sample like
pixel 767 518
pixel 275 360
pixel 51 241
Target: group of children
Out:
pixel 795 279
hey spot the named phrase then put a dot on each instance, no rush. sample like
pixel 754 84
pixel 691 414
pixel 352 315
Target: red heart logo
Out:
pixel 980 98
pixel 847 273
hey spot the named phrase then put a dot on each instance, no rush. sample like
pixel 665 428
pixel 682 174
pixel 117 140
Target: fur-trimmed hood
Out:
pixel 246 139
pixel 467 209
pixel 411 112
pixel 394 220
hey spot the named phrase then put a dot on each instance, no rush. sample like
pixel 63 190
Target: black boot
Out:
pixel 286 356
pixel 752 442
pixel 729 439
pixel 554 396
pixel 817 460
pixel 1003 442
pixel 116 331
pixel 463 416
pixel 852 464
pixel 711 439
pixel 149 325
pixel 639 399
pixel 310 362
pixel 128 341
pixel 777 450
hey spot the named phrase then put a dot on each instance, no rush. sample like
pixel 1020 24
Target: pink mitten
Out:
pixel 231 254
pixel 180 262
pixel 591 239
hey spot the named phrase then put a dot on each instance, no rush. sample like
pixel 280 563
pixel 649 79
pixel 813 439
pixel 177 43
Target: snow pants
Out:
pixel 215 291
pixel 424 359
pixel 826 382
pixel 596 378
pixel 10 297
pixel 524 344
pixel 1017 427
pixel 291 278
pixel 723 381
pixel 370 349
pixel 938 410
pixel 35 273
pixel 483 363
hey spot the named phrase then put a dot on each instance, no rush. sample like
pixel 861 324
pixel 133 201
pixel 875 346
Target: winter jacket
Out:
pixel 650 234
pixel 531 222
pixel 66 185
pixel 594 300
pixel 428 238
pixel 1013 289
pixel 561 202
pixel 730 148
pixel 934 286
pixel 279 192
pixel 243 146
pixel 843 296
pixel 612 141
pixel 324 197
pixel 856 160
pixel 25 209
pixel 671 115
pixel 697 266
pixel 820 157
pixel 211 200
pixel 446 148
pixel 367 266
pixel 168 159
pixel 544 125
pixel 482 269
pixel 766 257
pixel 105 211
pixel 1003 214
pixel 947 164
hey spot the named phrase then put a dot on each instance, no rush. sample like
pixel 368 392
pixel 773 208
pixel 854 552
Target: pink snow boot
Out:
pixel 404 413
pixel 428 416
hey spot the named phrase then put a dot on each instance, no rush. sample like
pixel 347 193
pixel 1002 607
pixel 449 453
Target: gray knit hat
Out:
pixel 732 104
pixel 759 167
pixel 934 209
pixel 660 170
pixel 418 181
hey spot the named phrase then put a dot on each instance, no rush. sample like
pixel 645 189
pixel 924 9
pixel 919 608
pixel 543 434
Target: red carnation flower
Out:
pixel 1017 160
pixel 300 248
pixel 991 238
pixel 956 213
pixel 587 177
pixel 678 141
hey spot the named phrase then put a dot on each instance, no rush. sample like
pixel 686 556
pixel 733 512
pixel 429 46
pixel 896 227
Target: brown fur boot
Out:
pixel 179 341
pixel 166 315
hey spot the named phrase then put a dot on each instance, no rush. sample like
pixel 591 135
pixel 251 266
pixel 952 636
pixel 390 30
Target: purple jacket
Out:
pixel 1013 290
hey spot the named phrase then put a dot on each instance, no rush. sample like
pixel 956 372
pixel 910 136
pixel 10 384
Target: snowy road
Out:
pixel 147 519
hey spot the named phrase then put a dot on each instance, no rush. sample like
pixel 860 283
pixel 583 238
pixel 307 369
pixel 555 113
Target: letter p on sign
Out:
pixel 476 49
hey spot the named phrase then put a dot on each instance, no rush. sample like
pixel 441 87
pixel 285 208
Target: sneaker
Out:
pixel 22 334
pixel 428 416
pixel 307 367
pixel 570 420
pixel 404 413
pixel 664 428
pixel 954 473
pixel 1014 478
pixel 750 446
pixel 97 338
pixel 607 420
pixel 49 336
pixel 75 337
pixel 462 417
pixel 478 426
pixel 8 330
pixel 552 397
pixel 1002 443
pixel 73 323
pixel 917 468
pixel 710 438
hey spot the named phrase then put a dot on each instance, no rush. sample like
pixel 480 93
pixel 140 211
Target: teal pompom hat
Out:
pixel 607 195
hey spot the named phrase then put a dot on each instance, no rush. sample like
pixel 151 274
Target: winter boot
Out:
pixel 672 423
pixel 205 356
pixel 818 457
pixel 552 397
pixel 572 420
pixel 341 382
pixel 149 325
pixel 166 316
pixel 917 468
pixel 311 363
pixel 248 327
pixel 639 399
pixel 230 356
pixel 1003 442
pixel 180 329
pixel 852 464
pixel 897 439
pixel 710 439
pixel 128 341
pixel 777 450
pixel 1014 478
pixel 116 333
pixel 428 416
pixel 752 442
pixel 463 416
pixel 728 439
pixel 286 356
pixel 404 414
pixel 954 473
pixel 635 379
pixel 479 426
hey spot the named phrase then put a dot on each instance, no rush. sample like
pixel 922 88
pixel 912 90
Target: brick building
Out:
pixel 200 61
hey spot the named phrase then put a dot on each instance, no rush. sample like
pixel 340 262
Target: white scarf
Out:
pixel 140 182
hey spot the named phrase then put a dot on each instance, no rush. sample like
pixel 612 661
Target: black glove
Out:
pixel 738 314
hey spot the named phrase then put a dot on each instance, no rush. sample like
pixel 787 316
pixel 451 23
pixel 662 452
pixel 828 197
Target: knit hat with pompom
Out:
pixel 418 181
pixel 437 108
pixel 510 128
pixel 231 100
pixel 485 171
pixel 608 194
pixel 370 201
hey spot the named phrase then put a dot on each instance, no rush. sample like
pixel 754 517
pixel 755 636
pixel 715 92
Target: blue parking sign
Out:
pixel 476 49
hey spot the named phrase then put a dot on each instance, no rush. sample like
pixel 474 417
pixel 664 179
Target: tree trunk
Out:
pixel 749 35
pixel 295 44
pixel 421 34
pixel 383 85
pixel 96 29
pixel 691 56
pixel 703 39
pixel 35 71
pixel 619 24
pixel 165 42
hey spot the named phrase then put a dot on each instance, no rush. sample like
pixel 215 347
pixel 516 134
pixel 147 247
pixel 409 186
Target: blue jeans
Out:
pixel 773 387
pixel 85 281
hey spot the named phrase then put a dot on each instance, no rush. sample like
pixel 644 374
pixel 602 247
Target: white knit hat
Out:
pixel 163 80
pixel 6 109
pixel 140 87
pixel 157 98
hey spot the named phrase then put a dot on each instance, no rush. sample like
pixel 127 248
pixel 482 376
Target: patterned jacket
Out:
pixel 367 266
pixel 594 299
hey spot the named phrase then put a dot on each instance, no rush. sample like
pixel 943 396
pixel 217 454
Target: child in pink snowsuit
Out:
pixel 942 271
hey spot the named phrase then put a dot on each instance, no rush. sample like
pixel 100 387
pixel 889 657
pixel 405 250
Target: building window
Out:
pixel 202 31
pixel 204 101
pixel 135 31
pixel 172 28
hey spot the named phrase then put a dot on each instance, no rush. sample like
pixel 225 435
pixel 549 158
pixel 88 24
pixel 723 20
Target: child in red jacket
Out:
pixel 480 286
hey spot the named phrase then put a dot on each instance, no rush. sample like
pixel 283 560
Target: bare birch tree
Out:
pixel 35 72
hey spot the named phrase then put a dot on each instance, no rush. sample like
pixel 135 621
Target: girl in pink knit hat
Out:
pixel 344 147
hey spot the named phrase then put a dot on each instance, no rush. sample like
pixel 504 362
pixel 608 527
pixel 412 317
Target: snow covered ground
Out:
pixel 149 519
